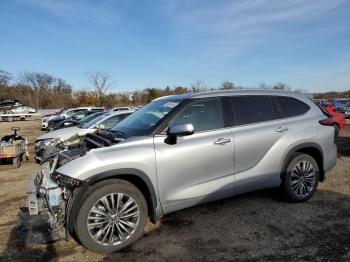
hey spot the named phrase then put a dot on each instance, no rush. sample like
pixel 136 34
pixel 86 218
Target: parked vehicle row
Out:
pixel 176 152
pixel 48 122
pixel 342 106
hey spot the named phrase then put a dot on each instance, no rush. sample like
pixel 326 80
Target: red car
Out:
pixel 337 118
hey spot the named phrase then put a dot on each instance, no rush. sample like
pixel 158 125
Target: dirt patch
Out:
pixel 258 226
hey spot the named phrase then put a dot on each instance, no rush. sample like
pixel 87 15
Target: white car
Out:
pixel 45 119
pixel 105 121
pixel 22 110
pixel 121 108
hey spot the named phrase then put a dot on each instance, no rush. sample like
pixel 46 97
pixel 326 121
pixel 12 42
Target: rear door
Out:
pixel 258 125
pixel 190 169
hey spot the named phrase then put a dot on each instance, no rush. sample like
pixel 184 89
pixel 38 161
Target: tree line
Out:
pixel 332 95
pixel 41 90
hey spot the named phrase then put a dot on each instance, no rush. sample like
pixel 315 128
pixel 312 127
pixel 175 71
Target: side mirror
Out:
pixel 101 126
pixel 178 130
pixel 181 130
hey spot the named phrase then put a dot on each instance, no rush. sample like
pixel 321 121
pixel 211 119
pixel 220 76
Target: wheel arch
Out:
pixel 311 149
pixel 134 176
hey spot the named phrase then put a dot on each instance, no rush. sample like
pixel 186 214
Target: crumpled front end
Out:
pixel 44 218
pixel 50 194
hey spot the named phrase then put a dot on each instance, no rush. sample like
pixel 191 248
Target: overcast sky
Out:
pixel 155 43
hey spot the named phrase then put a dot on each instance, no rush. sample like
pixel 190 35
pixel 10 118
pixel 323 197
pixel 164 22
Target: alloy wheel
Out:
pixel 303 178
pixel 113 219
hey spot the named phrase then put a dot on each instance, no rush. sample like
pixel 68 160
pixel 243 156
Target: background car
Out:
pixel 121 108
pixel 105 121
pixel 346 109
pixel 75 119
pixel 47 117
pixel 9 102
pixel 22 110
pixel 337 118
pixel 70 112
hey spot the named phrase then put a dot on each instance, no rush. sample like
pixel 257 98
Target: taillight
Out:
pixel 328 122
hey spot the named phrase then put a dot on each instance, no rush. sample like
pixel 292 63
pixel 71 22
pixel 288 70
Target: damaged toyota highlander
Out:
pixel 176 152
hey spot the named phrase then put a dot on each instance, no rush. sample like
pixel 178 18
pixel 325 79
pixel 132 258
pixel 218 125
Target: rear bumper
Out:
pixel 330 158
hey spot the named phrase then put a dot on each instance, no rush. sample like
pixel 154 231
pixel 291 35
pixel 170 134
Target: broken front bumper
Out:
pixel 39 222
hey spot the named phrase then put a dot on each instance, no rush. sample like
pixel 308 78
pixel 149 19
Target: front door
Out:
pixel 191 169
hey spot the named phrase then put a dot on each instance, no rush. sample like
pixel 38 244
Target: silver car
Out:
pixel 177 152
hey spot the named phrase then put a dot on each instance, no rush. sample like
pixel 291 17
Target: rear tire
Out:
pixel 112 216
pixel 300 178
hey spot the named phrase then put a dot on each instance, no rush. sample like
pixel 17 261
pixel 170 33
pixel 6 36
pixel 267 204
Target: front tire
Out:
pixel 113 215
pixel 300 177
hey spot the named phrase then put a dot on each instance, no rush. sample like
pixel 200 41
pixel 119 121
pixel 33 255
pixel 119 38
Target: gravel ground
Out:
pixel 258 226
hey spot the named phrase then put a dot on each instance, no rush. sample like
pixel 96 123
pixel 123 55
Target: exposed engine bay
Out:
pixel 76 146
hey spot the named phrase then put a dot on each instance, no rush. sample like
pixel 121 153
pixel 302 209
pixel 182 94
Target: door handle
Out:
pixel 281 129
pixel 222 141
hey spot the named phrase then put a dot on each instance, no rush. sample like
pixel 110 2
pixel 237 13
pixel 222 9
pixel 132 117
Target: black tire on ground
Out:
pixel 91 196
pixel 287 182
pixel 24 157
pixel 337 130
pixel 16 161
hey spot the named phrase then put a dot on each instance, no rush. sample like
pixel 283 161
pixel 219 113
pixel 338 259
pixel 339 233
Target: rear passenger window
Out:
pixel 252 109
pixel 291 106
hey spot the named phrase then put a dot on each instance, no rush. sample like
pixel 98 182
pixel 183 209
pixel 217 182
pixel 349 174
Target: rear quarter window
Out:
pixel 292 107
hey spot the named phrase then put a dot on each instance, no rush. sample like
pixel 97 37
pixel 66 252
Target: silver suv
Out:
pixel 176 152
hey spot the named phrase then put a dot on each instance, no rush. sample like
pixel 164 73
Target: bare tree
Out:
pixel 38 82
pixel 198 86
pixel 5 78
pixel 263 85
pixel 100 82
pixel 61 91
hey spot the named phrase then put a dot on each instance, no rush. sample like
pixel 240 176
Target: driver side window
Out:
pixel 203 114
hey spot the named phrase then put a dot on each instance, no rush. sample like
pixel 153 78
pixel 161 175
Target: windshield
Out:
pixel 61 111
pixel 145 119
pixel 95 120
pixel 90 117
pixel 70 113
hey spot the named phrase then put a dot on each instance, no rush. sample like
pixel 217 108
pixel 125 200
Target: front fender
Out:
pixel 78 194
